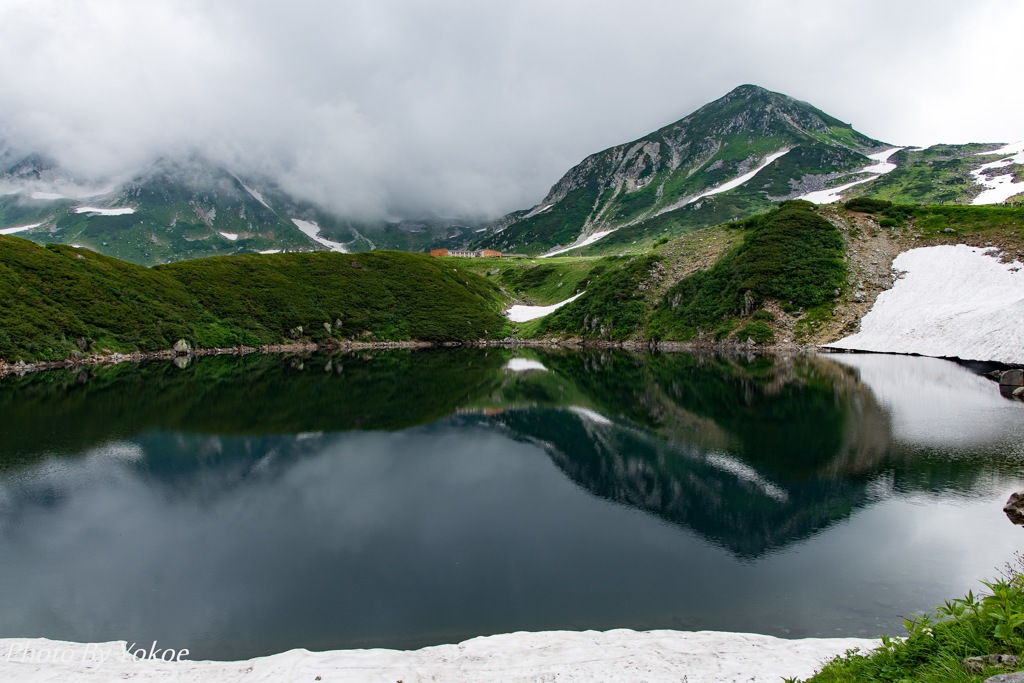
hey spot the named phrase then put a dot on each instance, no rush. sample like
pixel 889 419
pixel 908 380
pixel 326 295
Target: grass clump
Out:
pixel 937 643
pixel 790 254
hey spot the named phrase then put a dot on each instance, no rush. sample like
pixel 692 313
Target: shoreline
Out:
pixel 569 656
pixel 20 368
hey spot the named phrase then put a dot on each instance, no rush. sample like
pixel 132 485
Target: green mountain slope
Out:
pixel 57 300
pixel 189 207
pixel 662 177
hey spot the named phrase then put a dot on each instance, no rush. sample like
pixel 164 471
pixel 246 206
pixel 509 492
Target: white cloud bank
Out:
pixel 458 106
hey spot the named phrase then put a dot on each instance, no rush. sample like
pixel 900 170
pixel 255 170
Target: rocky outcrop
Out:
pixel 978 665
pixel 1014 508
pixel 1011 383
pixel 182 348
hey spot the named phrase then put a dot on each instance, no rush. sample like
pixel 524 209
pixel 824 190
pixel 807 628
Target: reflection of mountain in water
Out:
pixel 751 453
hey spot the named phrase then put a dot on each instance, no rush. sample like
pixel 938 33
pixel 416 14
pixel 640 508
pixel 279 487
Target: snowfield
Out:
pixel 522 314
pixel 566 656
pixel 880 167
pixel 229 235
pixel 124 211
pixel 950 302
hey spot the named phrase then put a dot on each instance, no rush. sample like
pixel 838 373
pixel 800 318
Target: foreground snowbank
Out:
pixel 951 301
pixel 620 655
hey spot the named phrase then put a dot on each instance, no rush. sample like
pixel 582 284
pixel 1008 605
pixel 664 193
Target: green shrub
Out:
pixel 867 204
pixel 936 643
pixel 756 331
pixel 791 255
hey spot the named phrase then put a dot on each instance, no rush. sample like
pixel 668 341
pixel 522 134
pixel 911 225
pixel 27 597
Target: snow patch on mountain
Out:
pixel 736 182
pixel 880 167
pixel 521 314
pixel 948 302
pixel 229 235
pixel 256 195
pixel 312 230
pixel 590 239
pixel 20 228
pixel 1002 187
pixel 92 210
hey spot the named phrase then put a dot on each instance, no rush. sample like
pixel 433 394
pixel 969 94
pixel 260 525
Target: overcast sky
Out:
pixel 457 106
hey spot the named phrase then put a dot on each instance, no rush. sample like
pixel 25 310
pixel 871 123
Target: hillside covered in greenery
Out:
pixel 57 300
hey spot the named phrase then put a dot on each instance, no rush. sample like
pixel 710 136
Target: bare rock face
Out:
pixel 182 348
pixel 1007 678
pixel 977 665
pixel 1014 508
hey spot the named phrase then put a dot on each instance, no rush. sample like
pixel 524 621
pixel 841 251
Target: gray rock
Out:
pixel 1014 508
pixel 977 665
pixel 1007 678
pixel 1018 393
pixel 182 348
pixel 1012 378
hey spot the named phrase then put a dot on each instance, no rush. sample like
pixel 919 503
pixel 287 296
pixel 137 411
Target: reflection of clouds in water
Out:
pixel 938 403
pixel 81 538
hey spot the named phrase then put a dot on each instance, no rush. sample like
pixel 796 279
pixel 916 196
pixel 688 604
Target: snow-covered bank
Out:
pixel 950 301
pixel 619 655
pixel 521 314
pixel 880 167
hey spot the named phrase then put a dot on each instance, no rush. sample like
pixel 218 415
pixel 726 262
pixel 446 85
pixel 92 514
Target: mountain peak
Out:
pixel 685 168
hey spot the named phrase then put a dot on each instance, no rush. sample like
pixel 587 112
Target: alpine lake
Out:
pixel 243 506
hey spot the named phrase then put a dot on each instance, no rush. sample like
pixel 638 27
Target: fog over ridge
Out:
pixel 455 107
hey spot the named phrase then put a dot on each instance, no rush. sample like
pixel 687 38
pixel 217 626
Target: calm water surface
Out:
pixel 241 507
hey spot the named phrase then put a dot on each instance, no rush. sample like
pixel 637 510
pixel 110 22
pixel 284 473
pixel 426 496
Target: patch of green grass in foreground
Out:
pixel 937 643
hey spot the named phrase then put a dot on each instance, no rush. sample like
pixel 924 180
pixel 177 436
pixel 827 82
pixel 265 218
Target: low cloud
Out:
pixel 459 107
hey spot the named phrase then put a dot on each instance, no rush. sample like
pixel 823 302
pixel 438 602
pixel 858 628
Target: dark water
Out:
pixel 240 507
